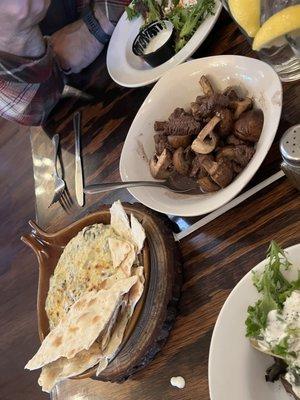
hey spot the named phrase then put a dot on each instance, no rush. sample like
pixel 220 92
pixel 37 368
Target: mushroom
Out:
pixel 231 139
pixel 249 126
pixel 241 106
pixel 206 86
pixel 197 169
pixel 180 162
pixel 159 165
pixel 231 93
pixel 207 185
pixel 206 141
pixel 220 171
pixel 226 123
pixel 240 154
pixel 177 141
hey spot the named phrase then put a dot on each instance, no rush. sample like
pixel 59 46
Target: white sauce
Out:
pixel 285 325
pixel 157 41
pixel 178 381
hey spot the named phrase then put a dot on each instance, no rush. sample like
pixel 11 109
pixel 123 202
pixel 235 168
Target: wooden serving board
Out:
pixel 155 313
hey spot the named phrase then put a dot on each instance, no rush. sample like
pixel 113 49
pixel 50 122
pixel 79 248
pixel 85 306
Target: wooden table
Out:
pixel 215 257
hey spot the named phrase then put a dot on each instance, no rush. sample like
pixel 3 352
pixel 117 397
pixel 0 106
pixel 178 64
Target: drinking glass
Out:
pixel 284 53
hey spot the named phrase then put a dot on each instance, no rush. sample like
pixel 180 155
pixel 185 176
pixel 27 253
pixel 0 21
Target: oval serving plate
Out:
pixel 178 88
pixel 162 284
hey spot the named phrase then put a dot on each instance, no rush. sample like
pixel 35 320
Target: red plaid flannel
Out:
pixel 30 88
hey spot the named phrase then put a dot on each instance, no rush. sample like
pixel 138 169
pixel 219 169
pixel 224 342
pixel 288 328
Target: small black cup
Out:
pixel 164 52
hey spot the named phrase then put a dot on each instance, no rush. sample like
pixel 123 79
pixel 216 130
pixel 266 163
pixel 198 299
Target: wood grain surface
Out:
pixel 215 258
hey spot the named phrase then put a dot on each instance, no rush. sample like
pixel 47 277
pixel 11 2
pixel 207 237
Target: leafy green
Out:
pixel 186 20
pixel 274 288
pixel 132 13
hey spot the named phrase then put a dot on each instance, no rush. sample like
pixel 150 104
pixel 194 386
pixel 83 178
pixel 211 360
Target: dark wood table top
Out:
pixel 215 257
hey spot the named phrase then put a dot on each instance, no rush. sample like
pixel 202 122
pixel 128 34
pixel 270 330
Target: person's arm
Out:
pixel 30 80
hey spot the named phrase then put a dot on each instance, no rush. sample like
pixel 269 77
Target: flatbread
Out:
pixel 85 320
pixel 138 233
pixel 64 368
pixel 120 223
pixel 118 333
pixel 119 250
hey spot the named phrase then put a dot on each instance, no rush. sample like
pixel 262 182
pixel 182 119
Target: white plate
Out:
pixel 129 70
pixel 236 370
pixel 178 88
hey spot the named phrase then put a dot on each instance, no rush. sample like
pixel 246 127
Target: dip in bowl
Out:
pixel 155 43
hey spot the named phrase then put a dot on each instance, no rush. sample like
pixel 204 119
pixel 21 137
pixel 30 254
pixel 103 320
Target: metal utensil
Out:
pixel 186 186
pixel 78 164
pixel 60 192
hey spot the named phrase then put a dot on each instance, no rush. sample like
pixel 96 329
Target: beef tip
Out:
pixel 205 107
pixel 160 126
pixel 240 154
pixel 231 139
pixel 182 123
pixel 249 125
pixel 161 143
pixel 237 168
pixel 220 171
pixel 225 125
pixel 197 170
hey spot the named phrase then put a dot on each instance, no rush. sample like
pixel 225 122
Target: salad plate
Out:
pixel 237 370
pixel 129 70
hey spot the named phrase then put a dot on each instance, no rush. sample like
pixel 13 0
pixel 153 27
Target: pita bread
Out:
pixel 64 368
pixel 119 250
pixel 118 333
pixel 82 325
pixel 138 233
pixel 120 223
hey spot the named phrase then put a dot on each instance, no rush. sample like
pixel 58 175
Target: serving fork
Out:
pixel 60 189
pixel 184 186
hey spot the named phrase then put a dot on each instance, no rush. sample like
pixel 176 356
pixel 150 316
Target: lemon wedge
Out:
pixel 280 24
pixel 247 14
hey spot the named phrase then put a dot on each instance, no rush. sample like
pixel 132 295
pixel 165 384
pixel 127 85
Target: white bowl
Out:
pixel 178 88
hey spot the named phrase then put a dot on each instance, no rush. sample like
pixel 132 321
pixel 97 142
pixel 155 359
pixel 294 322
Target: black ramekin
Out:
pixel 163 53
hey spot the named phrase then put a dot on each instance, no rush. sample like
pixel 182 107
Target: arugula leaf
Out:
pixel 187 20
pixel 131 13
pixel 274 288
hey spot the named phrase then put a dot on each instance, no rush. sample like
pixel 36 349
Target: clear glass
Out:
pixel 284 55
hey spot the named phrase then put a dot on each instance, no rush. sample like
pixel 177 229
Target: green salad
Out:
pixel 273 322
pixel 185 18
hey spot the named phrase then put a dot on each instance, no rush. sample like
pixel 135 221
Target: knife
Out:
pixel 78 164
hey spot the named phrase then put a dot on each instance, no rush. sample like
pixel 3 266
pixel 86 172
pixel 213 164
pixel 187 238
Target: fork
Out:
pixel 60 190
pixel 184 186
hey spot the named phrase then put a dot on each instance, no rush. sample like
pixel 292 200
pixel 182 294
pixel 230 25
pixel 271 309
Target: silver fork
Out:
pixel 60 190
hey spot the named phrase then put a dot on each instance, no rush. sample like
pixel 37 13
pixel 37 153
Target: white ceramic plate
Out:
pixel 129 70
pixel 236 370
pixel 178 88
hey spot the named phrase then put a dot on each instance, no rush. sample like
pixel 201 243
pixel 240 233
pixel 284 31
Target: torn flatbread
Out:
pixel 117 336
pixel 85 320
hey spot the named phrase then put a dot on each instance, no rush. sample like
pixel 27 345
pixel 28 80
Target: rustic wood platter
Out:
pixel 154 314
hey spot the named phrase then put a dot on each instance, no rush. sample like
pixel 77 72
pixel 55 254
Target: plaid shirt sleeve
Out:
pixel 29 88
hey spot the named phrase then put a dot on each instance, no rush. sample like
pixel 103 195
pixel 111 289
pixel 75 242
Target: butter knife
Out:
pixel 78 163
